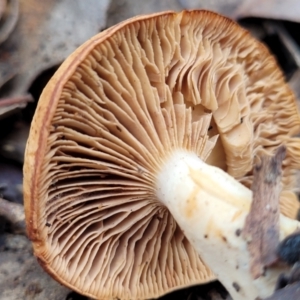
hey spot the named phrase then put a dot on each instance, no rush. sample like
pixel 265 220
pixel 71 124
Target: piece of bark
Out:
pixel 261 229
pixel 14 213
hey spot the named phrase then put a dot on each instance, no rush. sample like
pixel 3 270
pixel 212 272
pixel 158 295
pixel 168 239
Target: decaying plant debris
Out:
pixel 277 34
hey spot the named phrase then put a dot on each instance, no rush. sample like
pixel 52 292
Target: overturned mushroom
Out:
pixel 160 109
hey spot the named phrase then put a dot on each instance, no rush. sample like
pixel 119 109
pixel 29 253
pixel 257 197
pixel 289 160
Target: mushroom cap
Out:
pixel 107 120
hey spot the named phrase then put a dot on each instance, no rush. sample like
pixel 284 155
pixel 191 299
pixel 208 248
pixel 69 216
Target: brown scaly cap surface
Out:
pixel 106 121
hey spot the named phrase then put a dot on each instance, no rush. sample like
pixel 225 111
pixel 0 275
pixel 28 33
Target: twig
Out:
pixel 262 224
pixel 15 100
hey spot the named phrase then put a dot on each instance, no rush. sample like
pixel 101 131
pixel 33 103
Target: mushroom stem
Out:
pixel 211 208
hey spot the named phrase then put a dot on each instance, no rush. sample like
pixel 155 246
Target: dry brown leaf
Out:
pixel 272 9
pixel 9 13
pixel 123 9
pixel 46 33
pixel 2 8
pixel 236 9
pixel 225 7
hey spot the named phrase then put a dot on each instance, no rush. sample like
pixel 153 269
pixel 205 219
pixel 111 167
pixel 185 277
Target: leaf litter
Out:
pixel 35 38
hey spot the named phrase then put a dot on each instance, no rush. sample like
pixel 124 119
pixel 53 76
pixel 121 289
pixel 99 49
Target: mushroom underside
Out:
pixel 132 96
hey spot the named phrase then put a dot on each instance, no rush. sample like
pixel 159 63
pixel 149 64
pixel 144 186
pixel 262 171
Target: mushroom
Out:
pixel 143 144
